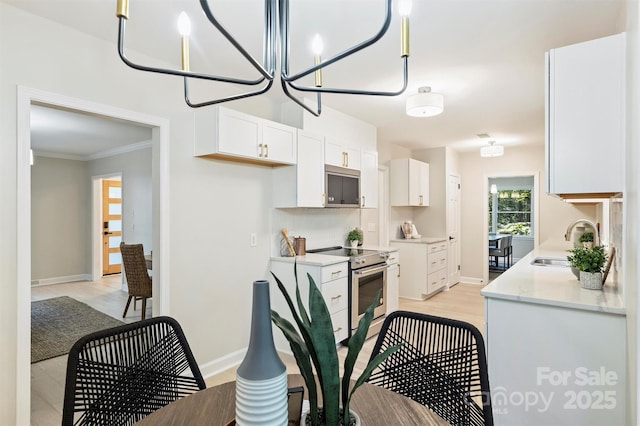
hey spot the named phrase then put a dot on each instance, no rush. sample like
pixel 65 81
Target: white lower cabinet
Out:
pixel 393 282
pixel 332 281
pixel 550 365
pixel 424 268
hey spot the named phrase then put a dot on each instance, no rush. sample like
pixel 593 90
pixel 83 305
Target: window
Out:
pixel 510 212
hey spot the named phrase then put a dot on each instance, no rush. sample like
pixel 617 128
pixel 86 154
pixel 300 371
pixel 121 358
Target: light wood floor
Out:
pixel 462 301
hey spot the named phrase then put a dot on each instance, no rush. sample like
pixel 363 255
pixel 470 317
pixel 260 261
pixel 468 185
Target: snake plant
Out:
pixel 313 345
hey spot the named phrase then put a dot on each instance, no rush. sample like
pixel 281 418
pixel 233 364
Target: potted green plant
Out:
pixel 354 237
pixel 586 239
pixel 314 347
pixel 589 261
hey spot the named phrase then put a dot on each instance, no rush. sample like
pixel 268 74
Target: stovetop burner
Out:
pixel 358 257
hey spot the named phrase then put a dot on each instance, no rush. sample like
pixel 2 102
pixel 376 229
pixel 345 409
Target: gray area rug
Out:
pixel 56 324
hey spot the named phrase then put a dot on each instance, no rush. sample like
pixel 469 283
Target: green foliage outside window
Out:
pixel 512 210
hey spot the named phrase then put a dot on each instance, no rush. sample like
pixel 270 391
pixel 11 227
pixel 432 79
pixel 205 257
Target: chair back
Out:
pixel 120 375
pixel 441 364
pixel 135 269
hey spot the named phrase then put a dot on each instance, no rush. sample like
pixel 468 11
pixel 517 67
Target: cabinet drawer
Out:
pixel 335 294
pixel 436 280
pixel 432 248
pixel 334 272
pixel 436 261
pixel 340 321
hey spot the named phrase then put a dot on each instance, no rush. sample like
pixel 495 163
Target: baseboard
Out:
pixel 219 365
pixel 61 280
pixel 470 280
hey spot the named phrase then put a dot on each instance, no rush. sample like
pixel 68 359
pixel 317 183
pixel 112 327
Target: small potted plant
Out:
pixel 314 347
pixel 590 262
pixel 586 239
pixel 354 237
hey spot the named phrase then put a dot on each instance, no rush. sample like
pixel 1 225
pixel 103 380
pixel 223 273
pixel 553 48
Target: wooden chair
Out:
pixel 120 375
pixel 138 279
pixel 441 364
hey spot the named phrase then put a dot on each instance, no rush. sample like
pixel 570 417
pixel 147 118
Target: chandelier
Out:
pixel 276 37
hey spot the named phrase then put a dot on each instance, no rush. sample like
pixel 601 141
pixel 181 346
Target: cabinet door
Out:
pixel 238 133
pixel 339 155
pixel 423 183
pixel 369 180
pixel 278 142
pixel 310 170
pixel 585 113
pixel 393 287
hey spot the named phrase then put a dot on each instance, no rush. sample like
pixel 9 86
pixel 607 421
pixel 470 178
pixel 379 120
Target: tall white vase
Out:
pixel 261 378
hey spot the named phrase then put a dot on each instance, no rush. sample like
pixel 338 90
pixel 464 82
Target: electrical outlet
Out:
pixel 253 239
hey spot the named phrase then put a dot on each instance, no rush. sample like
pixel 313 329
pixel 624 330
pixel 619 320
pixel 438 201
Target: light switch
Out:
pixel 253 239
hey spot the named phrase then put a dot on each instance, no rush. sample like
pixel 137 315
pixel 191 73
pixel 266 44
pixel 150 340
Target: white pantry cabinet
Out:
pixel 332 281
pixel 424 267
pixel 586 117
pixel 339 154
pixel 369 180
pixel 231 135
pixel 302 185
pixel 409 182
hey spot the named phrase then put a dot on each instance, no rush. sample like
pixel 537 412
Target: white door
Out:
pixel 453 225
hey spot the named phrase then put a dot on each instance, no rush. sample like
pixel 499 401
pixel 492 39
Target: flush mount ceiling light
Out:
pixel 492 150
pixel 276 38
pixel 425 103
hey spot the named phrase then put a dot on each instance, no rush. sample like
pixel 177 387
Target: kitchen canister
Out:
pixel 300 246
pixel 261 378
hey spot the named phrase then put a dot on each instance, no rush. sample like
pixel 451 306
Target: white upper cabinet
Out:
pixel 340 155
pixel 369 180
pixel 227 134
pixel 302 185
pixel 409 182
pixel 586 117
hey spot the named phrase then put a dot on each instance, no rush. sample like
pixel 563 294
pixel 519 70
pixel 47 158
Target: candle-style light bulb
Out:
pixel 184 24
pixel 184 27
pixel 404 9
pixel 317 46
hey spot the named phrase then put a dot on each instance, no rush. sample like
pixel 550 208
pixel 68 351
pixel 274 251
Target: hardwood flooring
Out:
pixel 462 301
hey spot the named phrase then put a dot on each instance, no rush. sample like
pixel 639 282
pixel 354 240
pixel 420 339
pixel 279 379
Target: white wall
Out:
pixel 555 214
pixel 135 169
pixel 60 219
pixel 214 205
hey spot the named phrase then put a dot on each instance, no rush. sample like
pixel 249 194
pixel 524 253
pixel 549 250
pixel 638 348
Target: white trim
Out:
pixel 60 280
pixel 226 362
pixel 120 150
pixel 383 207
pixel 470 280
pixel 160 141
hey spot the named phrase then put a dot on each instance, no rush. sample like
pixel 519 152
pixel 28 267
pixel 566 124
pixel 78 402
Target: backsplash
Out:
pixel 321 227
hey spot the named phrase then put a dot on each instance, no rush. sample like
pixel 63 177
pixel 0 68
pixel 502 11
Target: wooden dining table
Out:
pixel 215 406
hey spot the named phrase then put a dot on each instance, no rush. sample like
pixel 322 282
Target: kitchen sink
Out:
pixel 550 261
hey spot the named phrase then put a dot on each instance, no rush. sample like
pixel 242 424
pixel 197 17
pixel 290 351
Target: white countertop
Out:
pixel 313 259
pixel 552 285
pixel 423 240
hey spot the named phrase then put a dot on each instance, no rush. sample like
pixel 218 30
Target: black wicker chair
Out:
pixel 441 364
pixel 120 375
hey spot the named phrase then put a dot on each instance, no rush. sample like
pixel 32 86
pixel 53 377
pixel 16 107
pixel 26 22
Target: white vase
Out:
pixel 353 414
pixel 591 280
pixel 354 243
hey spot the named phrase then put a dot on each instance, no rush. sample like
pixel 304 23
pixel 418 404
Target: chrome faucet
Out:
pixel 596 234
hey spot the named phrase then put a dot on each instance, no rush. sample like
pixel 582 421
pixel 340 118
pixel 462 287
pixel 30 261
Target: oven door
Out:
pixel 365 284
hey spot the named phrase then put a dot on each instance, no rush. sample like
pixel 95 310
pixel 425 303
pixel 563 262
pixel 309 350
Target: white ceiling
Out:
pixel 485 56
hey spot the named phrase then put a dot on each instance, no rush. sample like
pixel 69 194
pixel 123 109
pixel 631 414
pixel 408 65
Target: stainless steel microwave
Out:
pixel 342 187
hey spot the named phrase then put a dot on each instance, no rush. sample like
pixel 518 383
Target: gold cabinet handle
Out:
pixel 336 273
pixel 336 297
pixel 260 153
pixel 363 201
pixel 346 154
pixel 398 270
pixel 267 150
pixel 323 198
pixel 337 329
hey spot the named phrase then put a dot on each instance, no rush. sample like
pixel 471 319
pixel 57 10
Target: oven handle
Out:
pixel 371 269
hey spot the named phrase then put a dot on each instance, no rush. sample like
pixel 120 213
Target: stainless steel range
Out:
pixel 367 275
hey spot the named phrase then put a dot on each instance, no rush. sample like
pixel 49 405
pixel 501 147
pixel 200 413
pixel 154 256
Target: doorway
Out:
pixel 522 225
pixel 111 197
pixel 28 97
